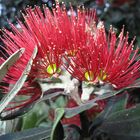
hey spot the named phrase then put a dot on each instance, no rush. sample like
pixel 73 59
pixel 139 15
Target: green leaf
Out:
pixel 29 121
pixel 61 102
pixel 115 104
pixel 123 124
pixel 35 116
pixel 8 97
pixel 58 115
pixel 9 62
pixel 70 112
pixel 46 96
pixel 126 115
pixel 30 134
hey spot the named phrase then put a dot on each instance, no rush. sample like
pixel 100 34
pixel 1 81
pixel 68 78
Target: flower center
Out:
pixel 89 76
pixel 102 76
pixel 51 69
pixel 71 53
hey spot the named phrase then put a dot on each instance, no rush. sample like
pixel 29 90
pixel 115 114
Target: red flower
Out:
pixel 13 41
pixel 54 33
pixel 50 40
pixel 106 58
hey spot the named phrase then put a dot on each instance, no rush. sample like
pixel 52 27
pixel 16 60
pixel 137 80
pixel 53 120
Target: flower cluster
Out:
pixel 72 41
pixel 54 33
pixel 106 59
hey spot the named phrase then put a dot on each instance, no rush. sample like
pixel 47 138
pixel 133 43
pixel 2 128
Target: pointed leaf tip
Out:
pixel 10 62
pixel 9 96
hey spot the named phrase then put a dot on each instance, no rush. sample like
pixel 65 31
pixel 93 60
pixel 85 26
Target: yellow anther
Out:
pixel 51 69
pixel 89 76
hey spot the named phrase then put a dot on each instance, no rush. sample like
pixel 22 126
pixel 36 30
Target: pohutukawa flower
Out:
pixel 106 59
pixel 49 39
pixel 54 33
pixel 57 34
pixel 14 41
